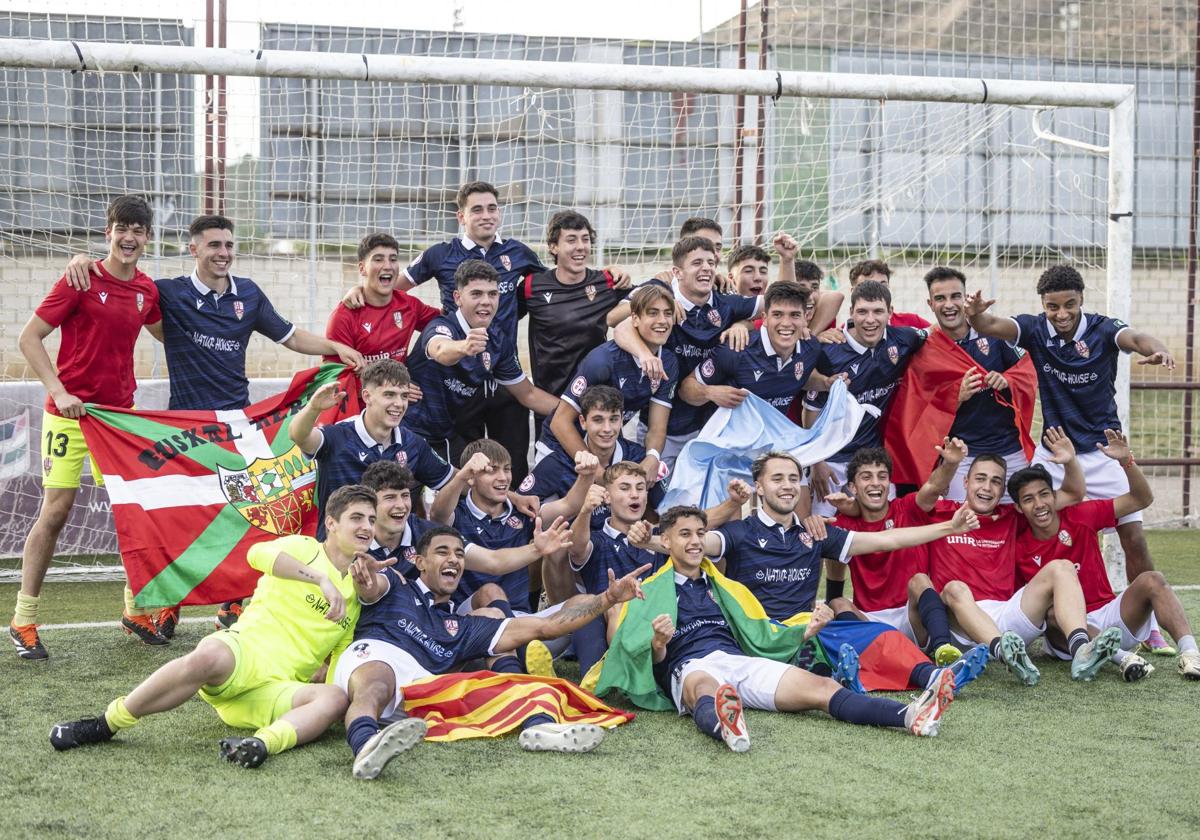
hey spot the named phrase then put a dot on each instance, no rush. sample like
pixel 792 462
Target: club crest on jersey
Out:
pixel 590 291
pixel 806 538
pixel 103 297
pixel 1064 538
pixel 410 552
pixel 366 325
pixel 1082 349
pixel 527 484
pixel 506 262
pixel 141 301
pixel 239 309
pixel 708 368
pixel 579 386
pixel 654 383
pixel 514 522
pixel 799 369
pixel 402 458
pixel 715 317
pixel 451 626
pixel 893 354
pixel 398 320
pixel 982 344
pixel 486 358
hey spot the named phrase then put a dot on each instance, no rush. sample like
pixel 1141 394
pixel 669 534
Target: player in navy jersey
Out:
pixel 409 630
pixel 460 361
pixel 208 319
pixel 345 449
pixel 567 304
pixel 775 365
pixel 601 416
pixel 1075 355
pixel 709 318
pixel 652 309
pixel 700 665
pixel 749 269
pixel 879 272
pixel 981 422
pixel 872 356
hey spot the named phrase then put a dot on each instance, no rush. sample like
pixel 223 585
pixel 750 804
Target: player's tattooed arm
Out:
pixel 287 567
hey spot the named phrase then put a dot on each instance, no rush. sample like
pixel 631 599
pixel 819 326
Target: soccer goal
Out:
pixel 331 139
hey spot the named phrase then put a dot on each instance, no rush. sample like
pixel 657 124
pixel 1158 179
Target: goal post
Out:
pixel 675 154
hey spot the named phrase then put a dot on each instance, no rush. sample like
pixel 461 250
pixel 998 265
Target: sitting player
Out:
pixel 699 663
pixel 343 450
pixel 256 674
pixel 409 630
pixel 1069 533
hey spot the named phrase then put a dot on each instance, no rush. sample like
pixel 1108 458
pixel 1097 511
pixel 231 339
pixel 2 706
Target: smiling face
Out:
pixel 354 529
pixel 684 540
pixel 491 487
pixel 441 566
pixel 870 485
pixel 392 507
pixel 572 251
pixel 1036 501
pixel 778 486
pixel 947 300
pixel 126 243
pixel 750 276
pixel 870 319
pixel 696 273
pixel 627 498
pixel 655 323
pixel 478 301
pixel 214 252
pixel 380 271
pixel 386 404
pixel 480 217
pixel 1063 310
pixel 602 426
pixel 985 486
pixel 783 321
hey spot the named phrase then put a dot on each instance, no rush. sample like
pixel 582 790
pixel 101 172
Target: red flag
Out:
pixel 922 410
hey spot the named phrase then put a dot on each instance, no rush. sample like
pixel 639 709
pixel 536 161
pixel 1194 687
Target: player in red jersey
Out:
pixel 1069 534
pixel 977 576
pixel 383 325
pixel 99 328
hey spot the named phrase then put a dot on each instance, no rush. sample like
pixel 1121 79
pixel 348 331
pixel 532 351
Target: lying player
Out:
pixel 701 666
pixel 256 674
pixel 1069 534
pixel 410 630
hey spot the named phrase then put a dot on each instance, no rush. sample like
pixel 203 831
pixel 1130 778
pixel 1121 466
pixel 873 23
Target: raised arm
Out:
pixel 1140 496
pixel 868 542
pixel 731 508
pixel 953 452
pixel 986 323
pixel 786 247
pixel 1062 452
pixel 302 430
pixel 581 528
pixel 1144 344
pixel 562 424
pixel 501 561
pixel 587 466
pixel 446 500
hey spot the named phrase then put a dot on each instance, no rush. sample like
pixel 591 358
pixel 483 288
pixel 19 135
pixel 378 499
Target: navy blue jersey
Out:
pixel 609 365
pixel 782 567
pixel 1076 377
pixel 761 371
pixel 610 549
pixel 874 374
pixel 510 529
pixel 431 633
pixel 449 390
pixel 346 450
pixel 984 424
pixel 205 337
pixel 693 340
pixel 700 628
pixel 406 549
pixel 511 259
pixel 554 475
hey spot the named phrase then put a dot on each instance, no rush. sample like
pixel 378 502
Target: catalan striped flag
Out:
pixel 485 704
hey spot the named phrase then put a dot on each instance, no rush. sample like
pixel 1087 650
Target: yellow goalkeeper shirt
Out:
pixel 285 624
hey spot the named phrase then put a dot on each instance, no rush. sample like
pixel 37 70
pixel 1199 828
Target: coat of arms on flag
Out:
pixel 273 494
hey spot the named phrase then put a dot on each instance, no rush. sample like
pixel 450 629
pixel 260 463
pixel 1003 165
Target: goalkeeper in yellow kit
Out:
pixel 256 674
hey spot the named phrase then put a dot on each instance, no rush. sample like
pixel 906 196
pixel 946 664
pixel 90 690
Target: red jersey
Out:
pixel 1076 541
pixel 984 559
pixel 99 329
pixel 880 579
pixel 380 332
pixel 908 319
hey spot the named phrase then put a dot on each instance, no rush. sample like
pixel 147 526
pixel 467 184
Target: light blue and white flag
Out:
pixel 734 437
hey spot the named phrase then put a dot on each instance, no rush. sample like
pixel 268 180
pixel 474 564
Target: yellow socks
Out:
pixel 130 607
pixel 279 736
pixel 27 609
pixel 117 716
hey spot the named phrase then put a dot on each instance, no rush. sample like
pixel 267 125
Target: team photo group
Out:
pixel 498 518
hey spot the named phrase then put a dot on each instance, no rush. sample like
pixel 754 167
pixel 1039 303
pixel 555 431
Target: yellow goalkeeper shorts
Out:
pixel 63 451
pixel 253 696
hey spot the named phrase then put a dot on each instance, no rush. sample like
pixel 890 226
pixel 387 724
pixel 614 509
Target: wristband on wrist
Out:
pixel 653 452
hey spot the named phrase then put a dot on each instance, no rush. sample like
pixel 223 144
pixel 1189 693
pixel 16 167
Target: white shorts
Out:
pixel 1103 476
pixel 958 484
pixel 838 483
pixel 754 678
pixel 1107 616
pixel 671 448
pixel 405 669
pixel 1007 616
pixel 895 617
